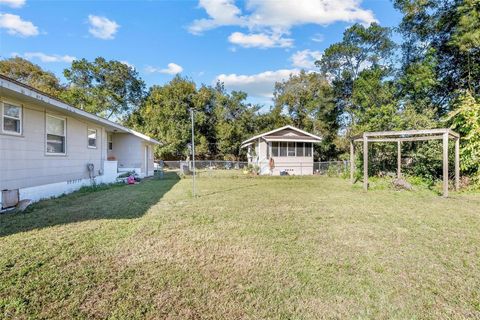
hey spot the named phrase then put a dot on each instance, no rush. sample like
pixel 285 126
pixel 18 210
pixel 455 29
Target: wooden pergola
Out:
pixel 403 136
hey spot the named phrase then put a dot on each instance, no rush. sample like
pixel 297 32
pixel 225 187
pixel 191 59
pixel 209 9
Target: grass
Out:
pixel 246 248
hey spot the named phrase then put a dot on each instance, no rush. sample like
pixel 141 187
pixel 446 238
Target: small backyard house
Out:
pixel 287 150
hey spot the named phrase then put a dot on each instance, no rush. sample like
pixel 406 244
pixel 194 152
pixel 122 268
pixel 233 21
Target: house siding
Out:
pixel 129 151
pixel 23 159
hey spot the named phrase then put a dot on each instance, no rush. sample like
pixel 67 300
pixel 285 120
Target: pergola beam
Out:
pixel 425 138
pixel 406 132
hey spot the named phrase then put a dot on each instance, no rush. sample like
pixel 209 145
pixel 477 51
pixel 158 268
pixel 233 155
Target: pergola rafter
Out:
pixel 402 136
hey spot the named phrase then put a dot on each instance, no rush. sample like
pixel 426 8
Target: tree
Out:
pixel 448 30
pixel 106 88
pixel 31 74
pixel 361 48
pixel 466 120
pixel 307 98
pixel 374 98
pixel 417 85
pixel 165 116
pixel 235 121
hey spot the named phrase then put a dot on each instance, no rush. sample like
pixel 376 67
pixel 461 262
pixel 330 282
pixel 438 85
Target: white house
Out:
pixel 286 149
pixel 48 147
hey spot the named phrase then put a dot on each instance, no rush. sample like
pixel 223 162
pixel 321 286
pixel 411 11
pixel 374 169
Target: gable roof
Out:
pixel 32 94
pixel 314 138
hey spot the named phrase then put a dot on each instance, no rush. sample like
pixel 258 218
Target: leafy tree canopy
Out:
pixel 31 74
pixel 107 88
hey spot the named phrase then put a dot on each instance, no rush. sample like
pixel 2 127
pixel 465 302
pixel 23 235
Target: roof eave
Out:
pixel 25 90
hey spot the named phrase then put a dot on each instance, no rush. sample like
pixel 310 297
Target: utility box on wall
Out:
pixel 9 198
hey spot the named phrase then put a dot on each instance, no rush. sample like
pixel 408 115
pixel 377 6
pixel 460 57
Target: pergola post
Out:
pixel 445 164
pixel 457 164
pixel 352 162
pixel 365 162
pixel 399 159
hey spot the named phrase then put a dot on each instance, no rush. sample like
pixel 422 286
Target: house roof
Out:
pixel 269 136
pixel 32 94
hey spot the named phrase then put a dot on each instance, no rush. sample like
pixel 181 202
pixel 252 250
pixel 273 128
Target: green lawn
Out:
pixel 246 248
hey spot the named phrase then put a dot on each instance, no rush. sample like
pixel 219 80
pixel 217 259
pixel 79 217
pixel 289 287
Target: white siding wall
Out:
pixel 23 159
pixel 129 151
pixel 293 165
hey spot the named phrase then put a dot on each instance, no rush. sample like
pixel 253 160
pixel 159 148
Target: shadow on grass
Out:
pixel 111 202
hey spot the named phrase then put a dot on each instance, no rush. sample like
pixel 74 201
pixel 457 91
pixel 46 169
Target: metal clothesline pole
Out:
pixel 193 149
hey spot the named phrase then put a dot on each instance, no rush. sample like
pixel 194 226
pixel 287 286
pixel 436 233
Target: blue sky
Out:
pixel 247 44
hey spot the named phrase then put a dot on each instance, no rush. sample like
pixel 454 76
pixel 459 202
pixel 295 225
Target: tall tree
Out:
pixel 361 48
pixel 106 88
pixel 466 120
pixel 165 115
pixel 235 121
pixel 447 29
pixel 31 74
pixel 307 98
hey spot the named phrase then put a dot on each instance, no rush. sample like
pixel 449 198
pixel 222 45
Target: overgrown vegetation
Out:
pixel 246 248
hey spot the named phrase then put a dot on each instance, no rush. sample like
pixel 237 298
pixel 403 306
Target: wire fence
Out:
pixel 331 168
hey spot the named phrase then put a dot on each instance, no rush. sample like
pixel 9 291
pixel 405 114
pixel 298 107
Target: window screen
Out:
pixel 299 149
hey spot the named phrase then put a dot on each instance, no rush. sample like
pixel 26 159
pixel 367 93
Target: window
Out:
pixel 56 134
pixel 110 141
pixel 300 149
pixel 291 149
pixel 308 149
pixel 92 138
pixel 275 149
pixel 12 119
pixel 283 149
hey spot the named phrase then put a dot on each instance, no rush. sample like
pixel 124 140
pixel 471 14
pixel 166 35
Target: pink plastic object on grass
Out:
pixel 131 180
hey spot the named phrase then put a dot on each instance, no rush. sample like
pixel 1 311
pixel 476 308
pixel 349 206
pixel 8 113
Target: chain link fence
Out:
pixel 331 168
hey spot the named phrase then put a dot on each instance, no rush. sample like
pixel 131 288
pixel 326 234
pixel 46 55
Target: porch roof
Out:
pixel 269 136
pixel 289 139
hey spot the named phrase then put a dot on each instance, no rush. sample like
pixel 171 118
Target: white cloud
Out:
pixel 221 13
pixel 305 59
pixel 256 85
pixel 259 40
pixel 172 68
pixel 16 26
pixel 278 17
pixel 288 13
pixel 13 3
pixel 318 37
pixel 102 28
pixel 128 64
pixel 49 57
